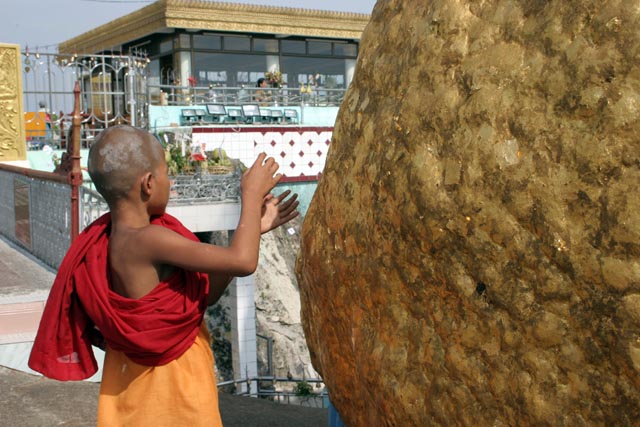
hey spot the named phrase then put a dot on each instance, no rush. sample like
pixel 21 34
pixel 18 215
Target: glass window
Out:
pixel 265 45
pixel 236 43
pixel 166 46
pixel 184 41
pixel 167 73
pixel 153 71
pixel 293 46
pixel 319 48
pixel 153 79
pixel 345 49
pixel 207 41
pixel 323 72
pixel 228 69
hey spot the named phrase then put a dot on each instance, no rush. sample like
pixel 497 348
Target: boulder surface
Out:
pixel 472 253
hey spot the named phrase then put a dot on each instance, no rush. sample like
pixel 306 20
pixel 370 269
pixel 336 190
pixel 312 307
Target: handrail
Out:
pixel 233 95
pixel 74 178
pixel 271 378
pixel 270 393
pixel 32 173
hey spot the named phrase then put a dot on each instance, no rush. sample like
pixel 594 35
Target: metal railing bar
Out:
pixel 32 173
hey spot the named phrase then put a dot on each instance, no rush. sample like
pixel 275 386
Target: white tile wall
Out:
pixel 301 151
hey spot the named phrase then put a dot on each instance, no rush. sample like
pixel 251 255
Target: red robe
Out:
pixel 153 330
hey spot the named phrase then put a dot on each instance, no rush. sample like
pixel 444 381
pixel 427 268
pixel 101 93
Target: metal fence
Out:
pixel 35 212
pixel 35 207
pixel 299 391
pixel 113 90
pixel 92 206
pixel 188 95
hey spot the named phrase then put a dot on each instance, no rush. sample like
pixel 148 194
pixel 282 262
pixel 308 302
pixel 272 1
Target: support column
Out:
pixel 184 59
pixel 243 330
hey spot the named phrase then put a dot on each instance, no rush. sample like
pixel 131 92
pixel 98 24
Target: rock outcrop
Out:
pixel 278 305
pixel 472 253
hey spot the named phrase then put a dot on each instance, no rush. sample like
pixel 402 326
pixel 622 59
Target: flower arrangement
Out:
pixel 193 159
pixel 274 78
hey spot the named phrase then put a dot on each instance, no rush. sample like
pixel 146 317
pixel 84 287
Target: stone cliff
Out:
pixel 472 253
pixel 278 304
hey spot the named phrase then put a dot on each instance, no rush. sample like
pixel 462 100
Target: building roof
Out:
pixel 165 15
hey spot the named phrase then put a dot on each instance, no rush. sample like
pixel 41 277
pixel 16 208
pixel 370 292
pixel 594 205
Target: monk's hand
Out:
pixel 278 210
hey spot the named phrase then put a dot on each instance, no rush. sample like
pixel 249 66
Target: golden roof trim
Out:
pixel 262 8
pixel 217 16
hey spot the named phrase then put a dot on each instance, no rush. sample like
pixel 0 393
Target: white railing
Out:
pixel 187 95
pixel 292 391
pixel 92 206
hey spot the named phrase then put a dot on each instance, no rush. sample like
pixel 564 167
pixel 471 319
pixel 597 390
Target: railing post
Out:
pixel 270 356
pixel 75 177
pixel 132 88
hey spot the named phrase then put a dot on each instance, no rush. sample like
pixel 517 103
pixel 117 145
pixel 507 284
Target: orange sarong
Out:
pixel 182 392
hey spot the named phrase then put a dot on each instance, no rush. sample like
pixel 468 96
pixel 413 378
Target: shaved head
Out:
pixel 119 156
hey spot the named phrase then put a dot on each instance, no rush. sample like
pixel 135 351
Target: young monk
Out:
pixel 141 281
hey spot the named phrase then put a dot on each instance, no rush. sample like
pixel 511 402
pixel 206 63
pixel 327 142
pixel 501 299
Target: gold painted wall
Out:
pixel 12 140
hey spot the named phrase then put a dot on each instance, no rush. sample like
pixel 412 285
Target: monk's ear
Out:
pixel 146 183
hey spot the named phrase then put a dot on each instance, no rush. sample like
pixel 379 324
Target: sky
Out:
pixel 43 24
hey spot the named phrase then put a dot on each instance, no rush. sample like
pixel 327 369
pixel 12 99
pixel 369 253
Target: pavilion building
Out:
pixel 232 45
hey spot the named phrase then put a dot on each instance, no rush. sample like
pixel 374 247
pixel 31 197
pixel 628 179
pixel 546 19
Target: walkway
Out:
pixel 34 401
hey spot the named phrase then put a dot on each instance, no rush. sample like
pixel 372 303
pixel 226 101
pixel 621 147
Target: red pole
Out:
pixel 63 137
pixel 75 176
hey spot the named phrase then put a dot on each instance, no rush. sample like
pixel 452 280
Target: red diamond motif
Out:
pixel 310 142
pixel 273 143
pixel 310 164
pixel 283 154
pixel 255 144
pixel 319 153
pixel 328 141
pixel 292 165
pixel 292 143
pixel 301 153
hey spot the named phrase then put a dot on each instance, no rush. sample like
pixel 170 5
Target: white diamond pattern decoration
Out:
pixel 286 145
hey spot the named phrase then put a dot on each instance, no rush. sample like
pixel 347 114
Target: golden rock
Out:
pixel 482 269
